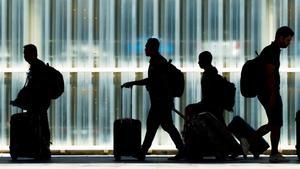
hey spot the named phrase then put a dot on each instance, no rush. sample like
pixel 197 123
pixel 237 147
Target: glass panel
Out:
pixel 99 44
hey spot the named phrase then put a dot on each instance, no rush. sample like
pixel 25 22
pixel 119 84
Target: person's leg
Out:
pixel 275 125
pixel 152 126
pixel 264 129
pixel 46 135
pixel 169 127
pixel 275 137
pixel 42 124
pixel 45 128
pixel 276 156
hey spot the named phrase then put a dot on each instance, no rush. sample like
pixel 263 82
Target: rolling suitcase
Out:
pixel 205 135
pixel 26 138
pixel 298 134
pixel 241 129
pixel 127 135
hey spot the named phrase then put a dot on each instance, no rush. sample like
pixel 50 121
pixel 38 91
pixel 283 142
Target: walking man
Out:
pixel 269 89
pixel 160 113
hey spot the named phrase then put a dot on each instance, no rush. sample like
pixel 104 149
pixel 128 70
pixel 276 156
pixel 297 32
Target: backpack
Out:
pixel 249 77
pixel 175 79
pixel 228 99
pixel 55 82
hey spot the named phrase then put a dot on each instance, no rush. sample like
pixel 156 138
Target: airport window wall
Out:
pixel 99 44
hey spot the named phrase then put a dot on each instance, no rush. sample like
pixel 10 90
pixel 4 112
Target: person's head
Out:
pixel 284 36
pixel 30 53
pixel 204 59
pixel 152 47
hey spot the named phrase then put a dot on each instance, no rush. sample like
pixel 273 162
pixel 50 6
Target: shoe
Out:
pixel 234 155
pixel 277 158
pixel 140 156
pixel 180 155
pixel 245 147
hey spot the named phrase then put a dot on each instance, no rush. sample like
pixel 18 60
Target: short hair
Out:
pixel 284 31
pixel 153 43
pixel 205 57
pixel 31 48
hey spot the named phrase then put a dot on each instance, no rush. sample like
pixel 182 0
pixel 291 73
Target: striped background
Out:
pixel 99 44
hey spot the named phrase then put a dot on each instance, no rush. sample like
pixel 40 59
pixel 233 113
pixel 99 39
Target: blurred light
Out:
pixel 126 69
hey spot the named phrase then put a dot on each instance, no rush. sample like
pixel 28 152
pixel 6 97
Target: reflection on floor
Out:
pixel 151 162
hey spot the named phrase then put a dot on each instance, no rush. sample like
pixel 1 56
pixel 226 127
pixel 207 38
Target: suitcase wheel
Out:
pixel 220 156
pixel 14 157
pixel 256 155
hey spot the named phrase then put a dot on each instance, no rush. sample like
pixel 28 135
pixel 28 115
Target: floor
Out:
pixel 151 162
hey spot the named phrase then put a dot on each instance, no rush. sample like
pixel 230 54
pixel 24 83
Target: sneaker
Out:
pixel 245 147
pixel 277 158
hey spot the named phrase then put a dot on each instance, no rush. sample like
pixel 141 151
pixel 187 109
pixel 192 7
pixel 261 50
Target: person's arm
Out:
pixel 137 82
pixel 270 74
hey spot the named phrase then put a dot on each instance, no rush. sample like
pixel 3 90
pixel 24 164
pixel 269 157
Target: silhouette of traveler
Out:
pixel 212 89
pixel 160 113
pixel 34 97
pixel 269 89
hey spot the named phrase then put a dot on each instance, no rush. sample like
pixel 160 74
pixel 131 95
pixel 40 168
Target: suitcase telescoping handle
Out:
pixel 178 112
pixel 130 111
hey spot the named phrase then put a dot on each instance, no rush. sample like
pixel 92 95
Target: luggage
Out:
pixel 127 136
pixel 241 129
pixel 26 137
pixel 204 135
pixel 298 134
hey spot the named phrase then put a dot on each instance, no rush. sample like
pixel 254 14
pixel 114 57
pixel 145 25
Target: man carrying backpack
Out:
pixel 268 92
pixel 160 113
pixel 212 89
pixel 36 97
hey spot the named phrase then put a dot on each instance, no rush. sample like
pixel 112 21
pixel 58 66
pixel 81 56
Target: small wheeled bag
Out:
pixel 27 138
pixel 205 135
pixel 241 129
pixel 127 135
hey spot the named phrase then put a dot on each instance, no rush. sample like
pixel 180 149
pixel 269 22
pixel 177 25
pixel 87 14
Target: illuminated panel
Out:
pixel 99 44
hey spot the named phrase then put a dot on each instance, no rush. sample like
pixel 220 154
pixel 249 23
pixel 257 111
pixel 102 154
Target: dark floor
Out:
pixel 5 158
pixel 151 162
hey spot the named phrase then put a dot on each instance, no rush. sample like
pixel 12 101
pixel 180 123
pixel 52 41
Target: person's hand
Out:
pixel 127 85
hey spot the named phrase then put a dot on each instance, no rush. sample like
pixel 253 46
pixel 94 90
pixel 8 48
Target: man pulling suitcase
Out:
pixel 160 113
